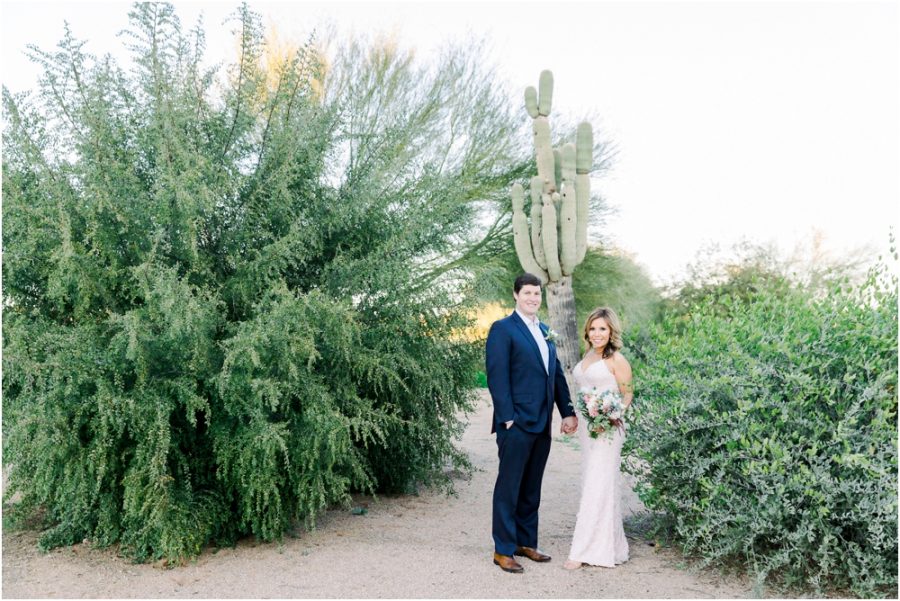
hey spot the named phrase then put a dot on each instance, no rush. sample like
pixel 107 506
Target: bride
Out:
pixel 599 538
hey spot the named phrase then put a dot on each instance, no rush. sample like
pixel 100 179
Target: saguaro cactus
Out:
pixel 560 195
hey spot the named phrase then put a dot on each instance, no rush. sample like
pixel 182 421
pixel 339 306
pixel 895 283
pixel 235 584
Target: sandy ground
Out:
pixel 426 546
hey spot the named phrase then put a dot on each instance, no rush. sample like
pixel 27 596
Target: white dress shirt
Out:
pixel 535 329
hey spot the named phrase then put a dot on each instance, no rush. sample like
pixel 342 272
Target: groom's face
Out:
pixel 528 300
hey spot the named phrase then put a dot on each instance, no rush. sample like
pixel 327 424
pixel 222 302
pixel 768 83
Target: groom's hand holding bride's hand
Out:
pixel 569 425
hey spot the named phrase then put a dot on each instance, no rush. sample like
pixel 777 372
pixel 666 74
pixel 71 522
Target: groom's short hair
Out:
pixel 526 279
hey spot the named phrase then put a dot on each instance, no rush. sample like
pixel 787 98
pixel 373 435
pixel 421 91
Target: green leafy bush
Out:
pixel 766 430
pixel 230 303
pixel 480 379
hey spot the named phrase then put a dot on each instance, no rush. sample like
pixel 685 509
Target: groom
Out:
pixel 525 380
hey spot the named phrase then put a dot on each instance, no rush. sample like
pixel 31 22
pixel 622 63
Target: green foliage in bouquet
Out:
pixel 766 430
pixel 231 302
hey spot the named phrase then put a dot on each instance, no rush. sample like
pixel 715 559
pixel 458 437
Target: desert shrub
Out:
pixel 765 429
pixel 229 301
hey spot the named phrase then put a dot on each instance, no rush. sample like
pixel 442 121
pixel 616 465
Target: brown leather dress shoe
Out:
pixel 508 564
pixel 532 554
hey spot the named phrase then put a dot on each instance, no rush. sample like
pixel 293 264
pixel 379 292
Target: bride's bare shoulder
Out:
pixel 619 359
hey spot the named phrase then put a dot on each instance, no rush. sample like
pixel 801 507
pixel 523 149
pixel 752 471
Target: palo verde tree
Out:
pixel 229 301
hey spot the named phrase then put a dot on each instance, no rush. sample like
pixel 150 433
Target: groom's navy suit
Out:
pixel 523 391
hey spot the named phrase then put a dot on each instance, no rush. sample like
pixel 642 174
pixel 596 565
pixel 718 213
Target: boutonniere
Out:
pixel 551 335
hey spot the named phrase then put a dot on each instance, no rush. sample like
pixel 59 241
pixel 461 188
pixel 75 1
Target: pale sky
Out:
pixel 759 120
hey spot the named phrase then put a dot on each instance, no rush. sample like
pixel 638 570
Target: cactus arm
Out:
pixel 584 148
pixel 568 256
pixel 584 161
pixel 531 102
pixel 544 153
pixel 557 169
pixel 545 98
pixel 568 163
pixel 520 235
pixel 557 203
pixel 537 241
pixel 568 213
pixel 551 250
pixel 582 204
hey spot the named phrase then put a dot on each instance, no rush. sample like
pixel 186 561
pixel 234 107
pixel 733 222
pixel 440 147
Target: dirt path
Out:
pixel 427 546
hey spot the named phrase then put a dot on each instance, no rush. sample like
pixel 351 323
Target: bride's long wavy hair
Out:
pixel 615 330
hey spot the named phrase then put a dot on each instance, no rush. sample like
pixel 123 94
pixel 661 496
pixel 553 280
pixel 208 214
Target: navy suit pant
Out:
pixel 517 493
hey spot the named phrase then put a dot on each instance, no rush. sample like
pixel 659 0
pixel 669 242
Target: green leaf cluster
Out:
pixel 766 430
pixel 229 302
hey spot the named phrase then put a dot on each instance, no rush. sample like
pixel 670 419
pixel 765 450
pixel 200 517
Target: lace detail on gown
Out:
pixel 599 537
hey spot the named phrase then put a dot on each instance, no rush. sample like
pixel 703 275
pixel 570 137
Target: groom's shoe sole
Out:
pixel 532 554
pixel 508 564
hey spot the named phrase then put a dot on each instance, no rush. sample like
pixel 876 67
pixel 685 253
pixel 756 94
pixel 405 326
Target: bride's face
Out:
pixel 598 333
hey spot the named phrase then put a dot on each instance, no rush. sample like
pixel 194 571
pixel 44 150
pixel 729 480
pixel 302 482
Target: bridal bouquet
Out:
pixel 602 410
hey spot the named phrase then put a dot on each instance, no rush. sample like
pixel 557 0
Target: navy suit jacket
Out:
pixel 520 388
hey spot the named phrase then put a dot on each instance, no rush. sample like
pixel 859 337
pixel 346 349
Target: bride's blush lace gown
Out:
pixel 599 538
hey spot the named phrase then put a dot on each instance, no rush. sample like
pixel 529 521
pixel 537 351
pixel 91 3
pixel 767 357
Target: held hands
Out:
pixel 569 425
